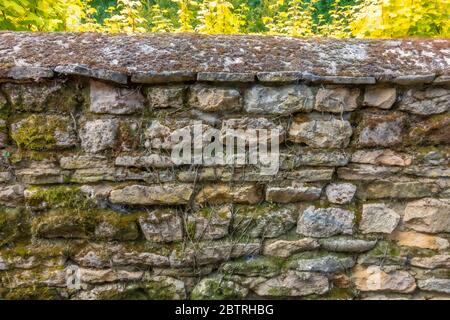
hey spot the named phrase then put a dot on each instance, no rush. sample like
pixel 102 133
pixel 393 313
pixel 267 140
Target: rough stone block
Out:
pixel 42 96
pixel 382 157
pixel 428 215
pixel 292 192
pixel 214 99
pixel 281 100
pixel 419 240
pixel 209 223
pixel 224 193
pixel 378 218
pixel 99 135
pixel 293 284
pixel 326 264
pixel 337 100
pixel 263 221
pixel 380 130
pixel 400 189
pixel 168 194
pixel 374 278
pixel 345 244
pixel 321 133
pixel 426 102
pixel 160 97
pixel 325 222
pixel 246 128
pixel 162 225
pixel 380 97
pixel 105 98
pixel 286 248
pixel 340 193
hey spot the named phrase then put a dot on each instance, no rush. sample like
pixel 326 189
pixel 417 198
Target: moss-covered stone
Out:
pixel 209 223
pixel 14 226
pixel 134 292
pixel 54 276
pixel 98 224
pixel 260 266
pixel 62 223
pixel 4 107
pixel 335 294
pixel 32 255
pixel 265 220
pixel 33 293
pixel 156 288
pixel 43 96
pixel 212 252
pixel 165 96
pixel 133 253
pixel 40 132
pixel 385 252
pixel 21 156
pixel 217 288
pixel 114 226
pixel 58 197
pixel 294 284
pixel 3 133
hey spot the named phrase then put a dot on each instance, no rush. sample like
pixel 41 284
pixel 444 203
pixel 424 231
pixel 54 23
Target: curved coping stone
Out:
pixel 82 70
pixel 161 58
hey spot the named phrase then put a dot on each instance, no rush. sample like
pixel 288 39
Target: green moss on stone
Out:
pixel 63 223
pixel 14 226
pixel 57 96
pixel 261 266
pixel 217 288
pixel 40 253
pixel 279 292
pixel 335 294
pixel 137 293
pixel 33 293
pixel 160 290
pixel 4 107
pixel 59 197
pixel 90 223
pixel 385 248
pixel 38 132
pixel 256 211
pixel 115 226
pixel 20 155
pixel 190 229
pixel 263 220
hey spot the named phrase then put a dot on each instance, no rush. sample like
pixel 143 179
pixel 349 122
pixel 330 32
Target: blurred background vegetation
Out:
pixel 331 18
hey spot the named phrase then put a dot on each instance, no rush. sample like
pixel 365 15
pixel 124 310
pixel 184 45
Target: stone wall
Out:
pixel 93 207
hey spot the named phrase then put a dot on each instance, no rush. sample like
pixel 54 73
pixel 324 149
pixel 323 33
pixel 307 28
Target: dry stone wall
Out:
pixel 93 206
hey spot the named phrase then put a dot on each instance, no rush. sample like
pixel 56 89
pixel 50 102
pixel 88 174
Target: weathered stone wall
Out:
pixel 360 208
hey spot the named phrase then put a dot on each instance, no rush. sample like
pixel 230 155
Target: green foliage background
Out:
pixel 333 18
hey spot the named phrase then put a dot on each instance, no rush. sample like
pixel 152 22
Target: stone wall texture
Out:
pixel 93 207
